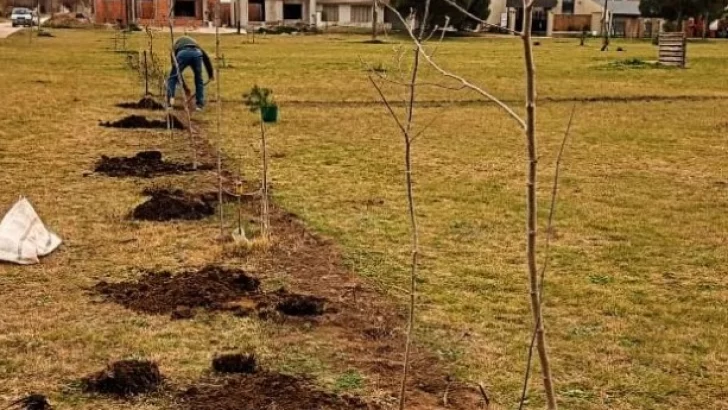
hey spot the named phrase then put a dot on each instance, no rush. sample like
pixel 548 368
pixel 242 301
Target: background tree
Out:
pixel 679 10
pixel 440 10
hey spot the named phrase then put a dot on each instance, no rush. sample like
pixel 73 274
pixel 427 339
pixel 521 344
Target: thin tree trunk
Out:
pixel 375 17
pixel 265 221
pixel 531 220
pixel 219 120
pixel 606 21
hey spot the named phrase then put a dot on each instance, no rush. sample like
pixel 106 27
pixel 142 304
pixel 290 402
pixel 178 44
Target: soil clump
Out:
pixel 145 164
pixel 234 363
pixel 146 103
pixel 125 378
pixel 265 391
pixel 171 204
pixel 140 121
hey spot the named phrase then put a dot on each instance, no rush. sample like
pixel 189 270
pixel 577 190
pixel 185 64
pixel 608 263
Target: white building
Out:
pixel 354 13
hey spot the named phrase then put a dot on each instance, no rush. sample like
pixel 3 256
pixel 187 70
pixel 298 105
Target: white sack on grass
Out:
pixel 23 237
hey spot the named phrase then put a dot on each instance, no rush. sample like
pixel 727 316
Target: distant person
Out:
pixel 189 54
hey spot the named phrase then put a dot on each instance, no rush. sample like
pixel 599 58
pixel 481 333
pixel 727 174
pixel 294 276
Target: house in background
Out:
pixel 554 17
pixel 246 13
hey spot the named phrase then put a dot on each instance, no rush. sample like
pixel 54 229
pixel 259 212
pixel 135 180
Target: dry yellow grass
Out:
pixel 636 297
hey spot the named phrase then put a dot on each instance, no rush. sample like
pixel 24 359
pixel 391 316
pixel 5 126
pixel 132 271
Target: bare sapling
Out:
pixel 181 80
pixel 220 197
pixel 264 211
pixel 405 127
pixel 260 100
pixel 528 124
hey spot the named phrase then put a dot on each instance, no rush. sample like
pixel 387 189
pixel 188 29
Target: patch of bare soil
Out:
pixel 125 378
pixel 146 103
pixel 367 327
pixel 140 121
pixel 171 204
pixel 145 164
pixel 210 288
pixel 234 363
pixel 265 391
pixel 31 402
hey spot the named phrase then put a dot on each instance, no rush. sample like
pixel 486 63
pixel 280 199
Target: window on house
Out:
pixel 361 14
pixel 330 13
pixel 292 11
pixel 185 8
pixel 567 7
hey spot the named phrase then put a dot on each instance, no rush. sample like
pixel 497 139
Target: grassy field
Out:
pixel 637 290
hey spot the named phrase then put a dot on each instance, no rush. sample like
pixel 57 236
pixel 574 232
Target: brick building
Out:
pixel 244 12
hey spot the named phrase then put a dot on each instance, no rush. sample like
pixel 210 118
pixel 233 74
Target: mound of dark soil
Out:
pixel 166 205
pixel 144 164
pixel 234 363
pixel 140 121
pixel 210 288
pixel 301 305
pixel 146 103
pixel 265 391
pixel 125 378
pixel 32 402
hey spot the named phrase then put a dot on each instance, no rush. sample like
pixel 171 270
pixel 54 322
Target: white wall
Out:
pixel 344 14
pixel 496 8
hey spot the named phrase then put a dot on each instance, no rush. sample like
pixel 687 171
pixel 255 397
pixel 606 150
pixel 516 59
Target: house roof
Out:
pixel 623 7
pixel 547 4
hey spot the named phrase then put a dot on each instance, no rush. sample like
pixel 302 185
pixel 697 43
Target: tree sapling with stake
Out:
pixel 261 100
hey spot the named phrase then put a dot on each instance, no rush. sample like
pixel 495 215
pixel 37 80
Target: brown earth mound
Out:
pixel 166 205
pixel 265 391
pixel 139 121
pixel 32 402
pixel 234 363
pixel 146 103
pixel 125 378
pixel 145 164
pixel 301 305
pixel 210 288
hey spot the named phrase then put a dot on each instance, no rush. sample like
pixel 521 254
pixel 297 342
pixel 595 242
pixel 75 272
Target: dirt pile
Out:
pixel 144 164
pixel 301 305
pixel 146 103
pixel 32 402
pixel 125 378
pixel 265 391
pixel 170 204
pixel 140 121
pixel 234 363
pixel 210 288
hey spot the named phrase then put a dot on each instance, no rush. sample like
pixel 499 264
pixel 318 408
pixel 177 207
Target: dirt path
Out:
pixel 7 29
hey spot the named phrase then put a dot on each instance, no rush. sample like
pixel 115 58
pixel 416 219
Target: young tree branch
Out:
pixel 547 255
pixel 449 74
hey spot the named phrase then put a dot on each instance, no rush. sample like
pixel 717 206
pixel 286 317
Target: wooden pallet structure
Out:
pixel 673 49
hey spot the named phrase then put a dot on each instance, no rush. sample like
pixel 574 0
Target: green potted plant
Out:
pixel 261 99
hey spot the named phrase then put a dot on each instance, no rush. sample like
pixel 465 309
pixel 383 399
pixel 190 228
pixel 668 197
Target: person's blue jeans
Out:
pixel 188 57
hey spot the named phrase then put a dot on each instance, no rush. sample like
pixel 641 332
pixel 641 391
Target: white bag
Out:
pixel 23 237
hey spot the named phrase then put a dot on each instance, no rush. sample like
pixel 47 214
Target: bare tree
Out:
pixel 219 121
pixel 375 17
pixel 528 124
pixel 406 128
pixel 606 23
